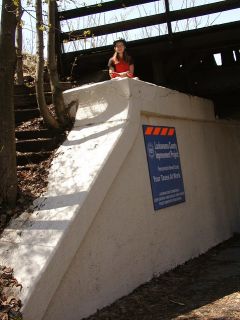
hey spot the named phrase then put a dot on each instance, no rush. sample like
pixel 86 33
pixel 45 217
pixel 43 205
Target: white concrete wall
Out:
pixel 129 242
pixel 94 236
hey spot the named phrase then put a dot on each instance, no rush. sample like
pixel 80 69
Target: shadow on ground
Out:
pixel 205 288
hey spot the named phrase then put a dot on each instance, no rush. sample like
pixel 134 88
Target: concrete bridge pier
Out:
pixel 99 231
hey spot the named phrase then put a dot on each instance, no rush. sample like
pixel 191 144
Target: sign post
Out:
pixel 164 166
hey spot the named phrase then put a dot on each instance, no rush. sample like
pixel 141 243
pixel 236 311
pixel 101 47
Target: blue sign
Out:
pixel 164 166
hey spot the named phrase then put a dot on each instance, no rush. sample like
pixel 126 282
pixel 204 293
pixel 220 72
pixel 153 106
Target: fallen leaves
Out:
pixel 10 304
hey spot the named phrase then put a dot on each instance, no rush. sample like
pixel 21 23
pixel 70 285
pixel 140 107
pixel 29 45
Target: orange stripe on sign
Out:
pixel 164 131
pixel 171 132
pixel 148 131
pixel 156 131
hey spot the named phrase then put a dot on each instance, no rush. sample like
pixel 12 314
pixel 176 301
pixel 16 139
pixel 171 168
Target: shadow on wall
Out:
pixel 93 136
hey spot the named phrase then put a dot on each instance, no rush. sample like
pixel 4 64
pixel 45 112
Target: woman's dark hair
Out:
pixel 126 56
pixel 120 40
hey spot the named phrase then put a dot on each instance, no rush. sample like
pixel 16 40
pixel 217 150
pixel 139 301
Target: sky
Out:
pixel 121 15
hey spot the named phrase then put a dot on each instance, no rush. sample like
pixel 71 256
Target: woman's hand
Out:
pixel 127 74
pixel 118 74
pixel 114 75
pixel 130 74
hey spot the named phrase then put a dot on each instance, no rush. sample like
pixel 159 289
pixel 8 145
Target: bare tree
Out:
pixel 48 118
pixel 57 95
pixel 8 172
pixel 19 36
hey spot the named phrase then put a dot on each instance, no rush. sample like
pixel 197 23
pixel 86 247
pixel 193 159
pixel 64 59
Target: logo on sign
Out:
pixel 150 148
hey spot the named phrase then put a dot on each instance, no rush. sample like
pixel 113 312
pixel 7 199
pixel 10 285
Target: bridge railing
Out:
pixel 167 17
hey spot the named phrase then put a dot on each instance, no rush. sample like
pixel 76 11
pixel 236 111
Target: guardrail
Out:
pixel 165 17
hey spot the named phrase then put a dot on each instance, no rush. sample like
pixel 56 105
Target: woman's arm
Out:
pixel 113 73
pixel 130 73
pixel 131 68
pixel 111 69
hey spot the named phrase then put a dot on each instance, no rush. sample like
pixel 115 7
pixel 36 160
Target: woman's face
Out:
pixel 119 47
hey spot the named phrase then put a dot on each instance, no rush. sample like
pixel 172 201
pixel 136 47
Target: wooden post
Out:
pixel 58 47
pixel 169 25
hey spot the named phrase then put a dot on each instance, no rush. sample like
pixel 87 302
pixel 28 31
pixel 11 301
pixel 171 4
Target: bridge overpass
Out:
pixel 183 61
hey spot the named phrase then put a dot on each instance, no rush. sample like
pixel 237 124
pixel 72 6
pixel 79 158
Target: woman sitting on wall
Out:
pixel 121 64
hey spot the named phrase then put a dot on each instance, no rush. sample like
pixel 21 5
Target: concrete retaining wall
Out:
pixel 95 236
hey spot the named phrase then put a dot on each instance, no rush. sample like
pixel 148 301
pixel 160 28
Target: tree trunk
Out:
pixel 47 117
pixel 8 171
pixel 52 67
pixel 19 71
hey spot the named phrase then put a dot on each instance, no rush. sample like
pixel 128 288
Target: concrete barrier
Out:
pixel 94 236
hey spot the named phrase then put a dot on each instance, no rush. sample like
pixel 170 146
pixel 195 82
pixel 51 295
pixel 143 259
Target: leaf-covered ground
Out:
pixel 10 305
